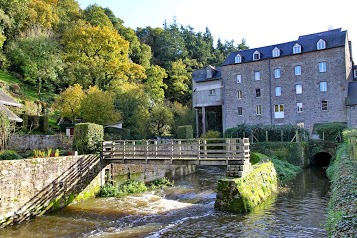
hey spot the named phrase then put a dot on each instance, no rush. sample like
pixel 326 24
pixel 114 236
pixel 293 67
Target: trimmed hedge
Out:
pixel 184 132
pixel 87 138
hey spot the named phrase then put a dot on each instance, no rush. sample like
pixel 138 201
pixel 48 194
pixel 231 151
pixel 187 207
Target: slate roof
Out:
pixel 7 100
pixel 333 38
pixel 12 116
pixel 201 74
pixel 351 99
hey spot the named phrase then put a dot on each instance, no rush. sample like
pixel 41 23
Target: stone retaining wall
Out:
pixel 31 142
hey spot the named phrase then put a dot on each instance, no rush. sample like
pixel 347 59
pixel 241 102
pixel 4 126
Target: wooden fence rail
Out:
pixel 217 151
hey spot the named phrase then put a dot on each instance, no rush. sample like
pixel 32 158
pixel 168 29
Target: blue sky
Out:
pixel 260 22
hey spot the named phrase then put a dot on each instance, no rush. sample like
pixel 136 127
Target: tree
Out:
pixel 96 16
pixel 154 84
pixel 161 120
pixel 178 83
pixel 134 105
pixel 100 54
pixel 38 58
pixel 5 130
pixel 69 102
pixel 98 107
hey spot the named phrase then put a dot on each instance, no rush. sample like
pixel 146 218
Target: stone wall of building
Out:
pixel 311 96
pixel 31 142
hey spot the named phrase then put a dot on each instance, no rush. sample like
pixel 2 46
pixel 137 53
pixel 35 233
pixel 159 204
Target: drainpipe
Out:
pixel 197 125
pixel 270 95
pixel 203 120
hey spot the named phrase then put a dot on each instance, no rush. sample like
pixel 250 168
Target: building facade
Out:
pixel 301 82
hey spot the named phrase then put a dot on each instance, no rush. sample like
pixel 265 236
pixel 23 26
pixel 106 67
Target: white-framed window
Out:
pixel 298 70
pixel 258 109
pixel 276 52
pixel 239 94
pixel 238 59
pixel 256 55
pixel 277 91
pixel 212 92
pixel 239 78
pixel 322 67
pixel 298 88
pixel 277 73
pixel 355 73
pixel 256 75
pixel 240 111
pixel 324 105
pixel 279 111
pixel 296 49
pixel 258 93
pixel 323 86
pixel 299 107
pixel 321 44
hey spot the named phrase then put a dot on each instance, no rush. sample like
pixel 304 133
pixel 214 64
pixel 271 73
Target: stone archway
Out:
pixel 321 159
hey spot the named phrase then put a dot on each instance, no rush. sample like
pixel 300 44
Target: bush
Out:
pixel 87 138
pixel 9 155
pixel 161 183
pixel 184 132
pixel 211 134
pixel 330 131
pixel 129 187
pixel 285 170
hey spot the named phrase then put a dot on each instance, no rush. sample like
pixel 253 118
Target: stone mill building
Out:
pixel 303 82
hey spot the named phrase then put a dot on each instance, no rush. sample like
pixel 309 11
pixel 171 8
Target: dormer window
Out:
pixel 321 44
pixel 276 52
pixel 296 49
pixel 256 55
pixel 238 59
pixel 355 73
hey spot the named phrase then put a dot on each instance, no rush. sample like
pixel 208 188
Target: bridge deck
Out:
pixel 196 151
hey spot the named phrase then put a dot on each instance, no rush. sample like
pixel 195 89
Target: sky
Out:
pixel 260 22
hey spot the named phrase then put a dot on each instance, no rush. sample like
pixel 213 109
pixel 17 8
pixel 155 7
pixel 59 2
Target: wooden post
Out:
pixel 323 135
pixel 172 150
pixel 282 135
pixel 123 151
pixel 180 148
pixel 199 150
pixel 266 136
pixel 205 147
pixel 155 142
pixel 146 151
pixel 297 136
pixel 134 147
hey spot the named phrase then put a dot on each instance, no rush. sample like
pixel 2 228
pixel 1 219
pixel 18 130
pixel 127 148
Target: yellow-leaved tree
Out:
pixel 98 107
pixel 69 102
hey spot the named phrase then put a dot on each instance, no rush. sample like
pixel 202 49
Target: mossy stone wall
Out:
pixel 243 194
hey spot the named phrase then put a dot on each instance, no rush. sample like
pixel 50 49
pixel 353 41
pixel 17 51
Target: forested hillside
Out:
pixel 141 77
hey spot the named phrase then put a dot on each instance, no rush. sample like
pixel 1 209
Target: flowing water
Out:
pixel 187 210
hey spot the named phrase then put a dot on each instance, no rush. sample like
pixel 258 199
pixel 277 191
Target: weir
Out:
pixel 232 152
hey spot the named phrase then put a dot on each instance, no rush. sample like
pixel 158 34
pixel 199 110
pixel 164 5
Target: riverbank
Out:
pixel 342 208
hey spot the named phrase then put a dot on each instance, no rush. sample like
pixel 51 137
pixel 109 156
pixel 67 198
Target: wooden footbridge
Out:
pixel 232 152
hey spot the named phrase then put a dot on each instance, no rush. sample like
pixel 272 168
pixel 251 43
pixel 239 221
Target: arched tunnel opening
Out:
pixel 321 159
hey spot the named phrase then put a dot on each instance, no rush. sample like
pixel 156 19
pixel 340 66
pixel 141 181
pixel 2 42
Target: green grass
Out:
pixel 28 92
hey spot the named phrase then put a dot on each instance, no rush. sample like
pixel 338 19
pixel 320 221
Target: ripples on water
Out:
pixel 187 210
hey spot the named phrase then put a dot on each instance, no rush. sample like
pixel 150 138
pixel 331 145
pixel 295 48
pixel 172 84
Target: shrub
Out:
pixel 9 155
pixel 184 132
pixel 112 133
pixel 330 131
pixel 161 183
pixel 87 137
pixel 211 134
pixel 129 187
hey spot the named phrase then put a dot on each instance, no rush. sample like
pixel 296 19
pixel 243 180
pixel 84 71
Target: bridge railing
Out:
pixel 217 149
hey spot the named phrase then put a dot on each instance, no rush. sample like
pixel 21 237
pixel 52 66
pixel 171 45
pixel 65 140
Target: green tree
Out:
pixel 69 13
pixel 69 102
pixel 96 16
pixel 154 84
pixel 5 130
pixel 179 83
pixel 183 115
pixel 134 105
pixel 98 107
pixel 161 120
pixel 38 58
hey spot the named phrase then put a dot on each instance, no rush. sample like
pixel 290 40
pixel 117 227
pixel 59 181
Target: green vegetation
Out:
pixel 342 216
pixel 9 155
pixel 243 194
pixel 184 132
pixel 49 153
pixel 88 137
pixel 330 131
pixel 132 187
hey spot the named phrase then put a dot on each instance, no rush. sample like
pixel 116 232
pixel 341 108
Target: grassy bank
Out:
pixel 342 207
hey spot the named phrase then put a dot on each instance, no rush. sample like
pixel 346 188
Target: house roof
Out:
pixel 352 94
pixel 333 38
pixel 7 100
pixel 12 116
pixel 201 74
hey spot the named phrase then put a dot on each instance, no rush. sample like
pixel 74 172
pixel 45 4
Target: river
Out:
pixel 187 210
